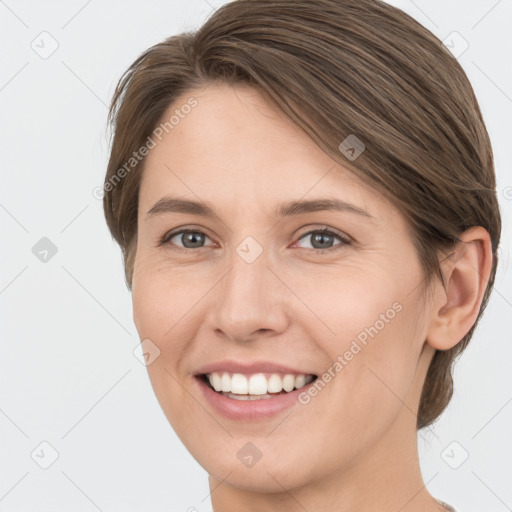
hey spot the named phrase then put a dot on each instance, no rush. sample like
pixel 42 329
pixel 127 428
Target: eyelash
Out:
pixel 346 241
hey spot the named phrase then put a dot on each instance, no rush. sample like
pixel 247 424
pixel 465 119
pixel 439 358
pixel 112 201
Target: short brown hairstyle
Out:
pixel 335 68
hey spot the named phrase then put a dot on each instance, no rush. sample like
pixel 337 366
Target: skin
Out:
pixel 353 446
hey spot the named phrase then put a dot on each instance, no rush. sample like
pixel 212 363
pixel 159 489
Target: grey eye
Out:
pixel 323 239
pixel 188 239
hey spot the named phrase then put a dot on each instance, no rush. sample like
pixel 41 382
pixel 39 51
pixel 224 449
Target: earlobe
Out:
pixel 466 272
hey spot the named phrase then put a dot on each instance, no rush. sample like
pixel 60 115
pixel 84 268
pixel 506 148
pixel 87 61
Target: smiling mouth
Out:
pixel 258 386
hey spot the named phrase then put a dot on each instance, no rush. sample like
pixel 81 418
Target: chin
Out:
pixel 255 466
pixel 260 478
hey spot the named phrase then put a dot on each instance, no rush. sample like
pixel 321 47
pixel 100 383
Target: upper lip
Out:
pixel 249 368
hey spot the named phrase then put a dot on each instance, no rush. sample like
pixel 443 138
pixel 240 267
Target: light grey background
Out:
pixel 68 374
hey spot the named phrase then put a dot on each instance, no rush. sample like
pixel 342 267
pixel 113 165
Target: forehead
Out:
pixel 234 143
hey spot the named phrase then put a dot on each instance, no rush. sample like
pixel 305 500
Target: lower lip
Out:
pixel 250 410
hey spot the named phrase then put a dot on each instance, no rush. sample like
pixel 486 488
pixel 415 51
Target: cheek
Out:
pixel 346 302
pixel 364 393
pixel 160 295
pixel 372 335
pixel 161 310
pixel 377 368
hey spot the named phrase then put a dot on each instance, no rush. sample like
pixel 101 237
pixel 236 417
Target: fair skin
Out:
pixel 353 447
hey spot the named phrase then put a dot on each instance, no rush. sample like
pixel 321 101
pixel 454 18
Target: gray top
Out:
pixel 449 508
pixel 446 506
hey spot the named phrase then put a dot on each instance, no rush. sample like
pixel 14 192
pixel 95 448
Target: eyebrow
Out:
pixel 169 204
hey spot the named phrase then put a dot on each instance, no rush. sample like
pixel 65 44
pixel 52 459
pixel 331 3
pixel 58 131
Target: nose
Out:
pixel 250 302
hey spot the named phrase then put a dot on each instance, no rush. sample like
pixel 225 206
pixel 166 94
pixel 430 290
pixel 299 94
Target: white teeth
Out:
pixel 300 381
pixel 247 397
pixel 215 381
pixel 239 384
pixel 288 382
pixel 274 384
pixel 257 384
pixel 225 382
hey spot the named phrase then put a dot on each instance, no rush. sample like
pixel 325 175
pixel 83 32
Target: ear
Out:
pixel 466 271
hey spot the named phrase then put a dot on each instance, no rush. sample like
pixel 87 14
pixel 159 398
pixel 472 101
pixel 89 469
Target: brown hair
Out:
pixel 335 68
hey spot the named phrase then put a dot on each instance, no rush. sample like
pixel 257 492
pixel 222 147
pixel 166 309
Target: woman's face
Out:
pixel 255 288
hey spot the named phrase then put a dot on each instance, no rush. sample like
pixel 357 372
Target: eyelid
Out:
pixel 328 230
